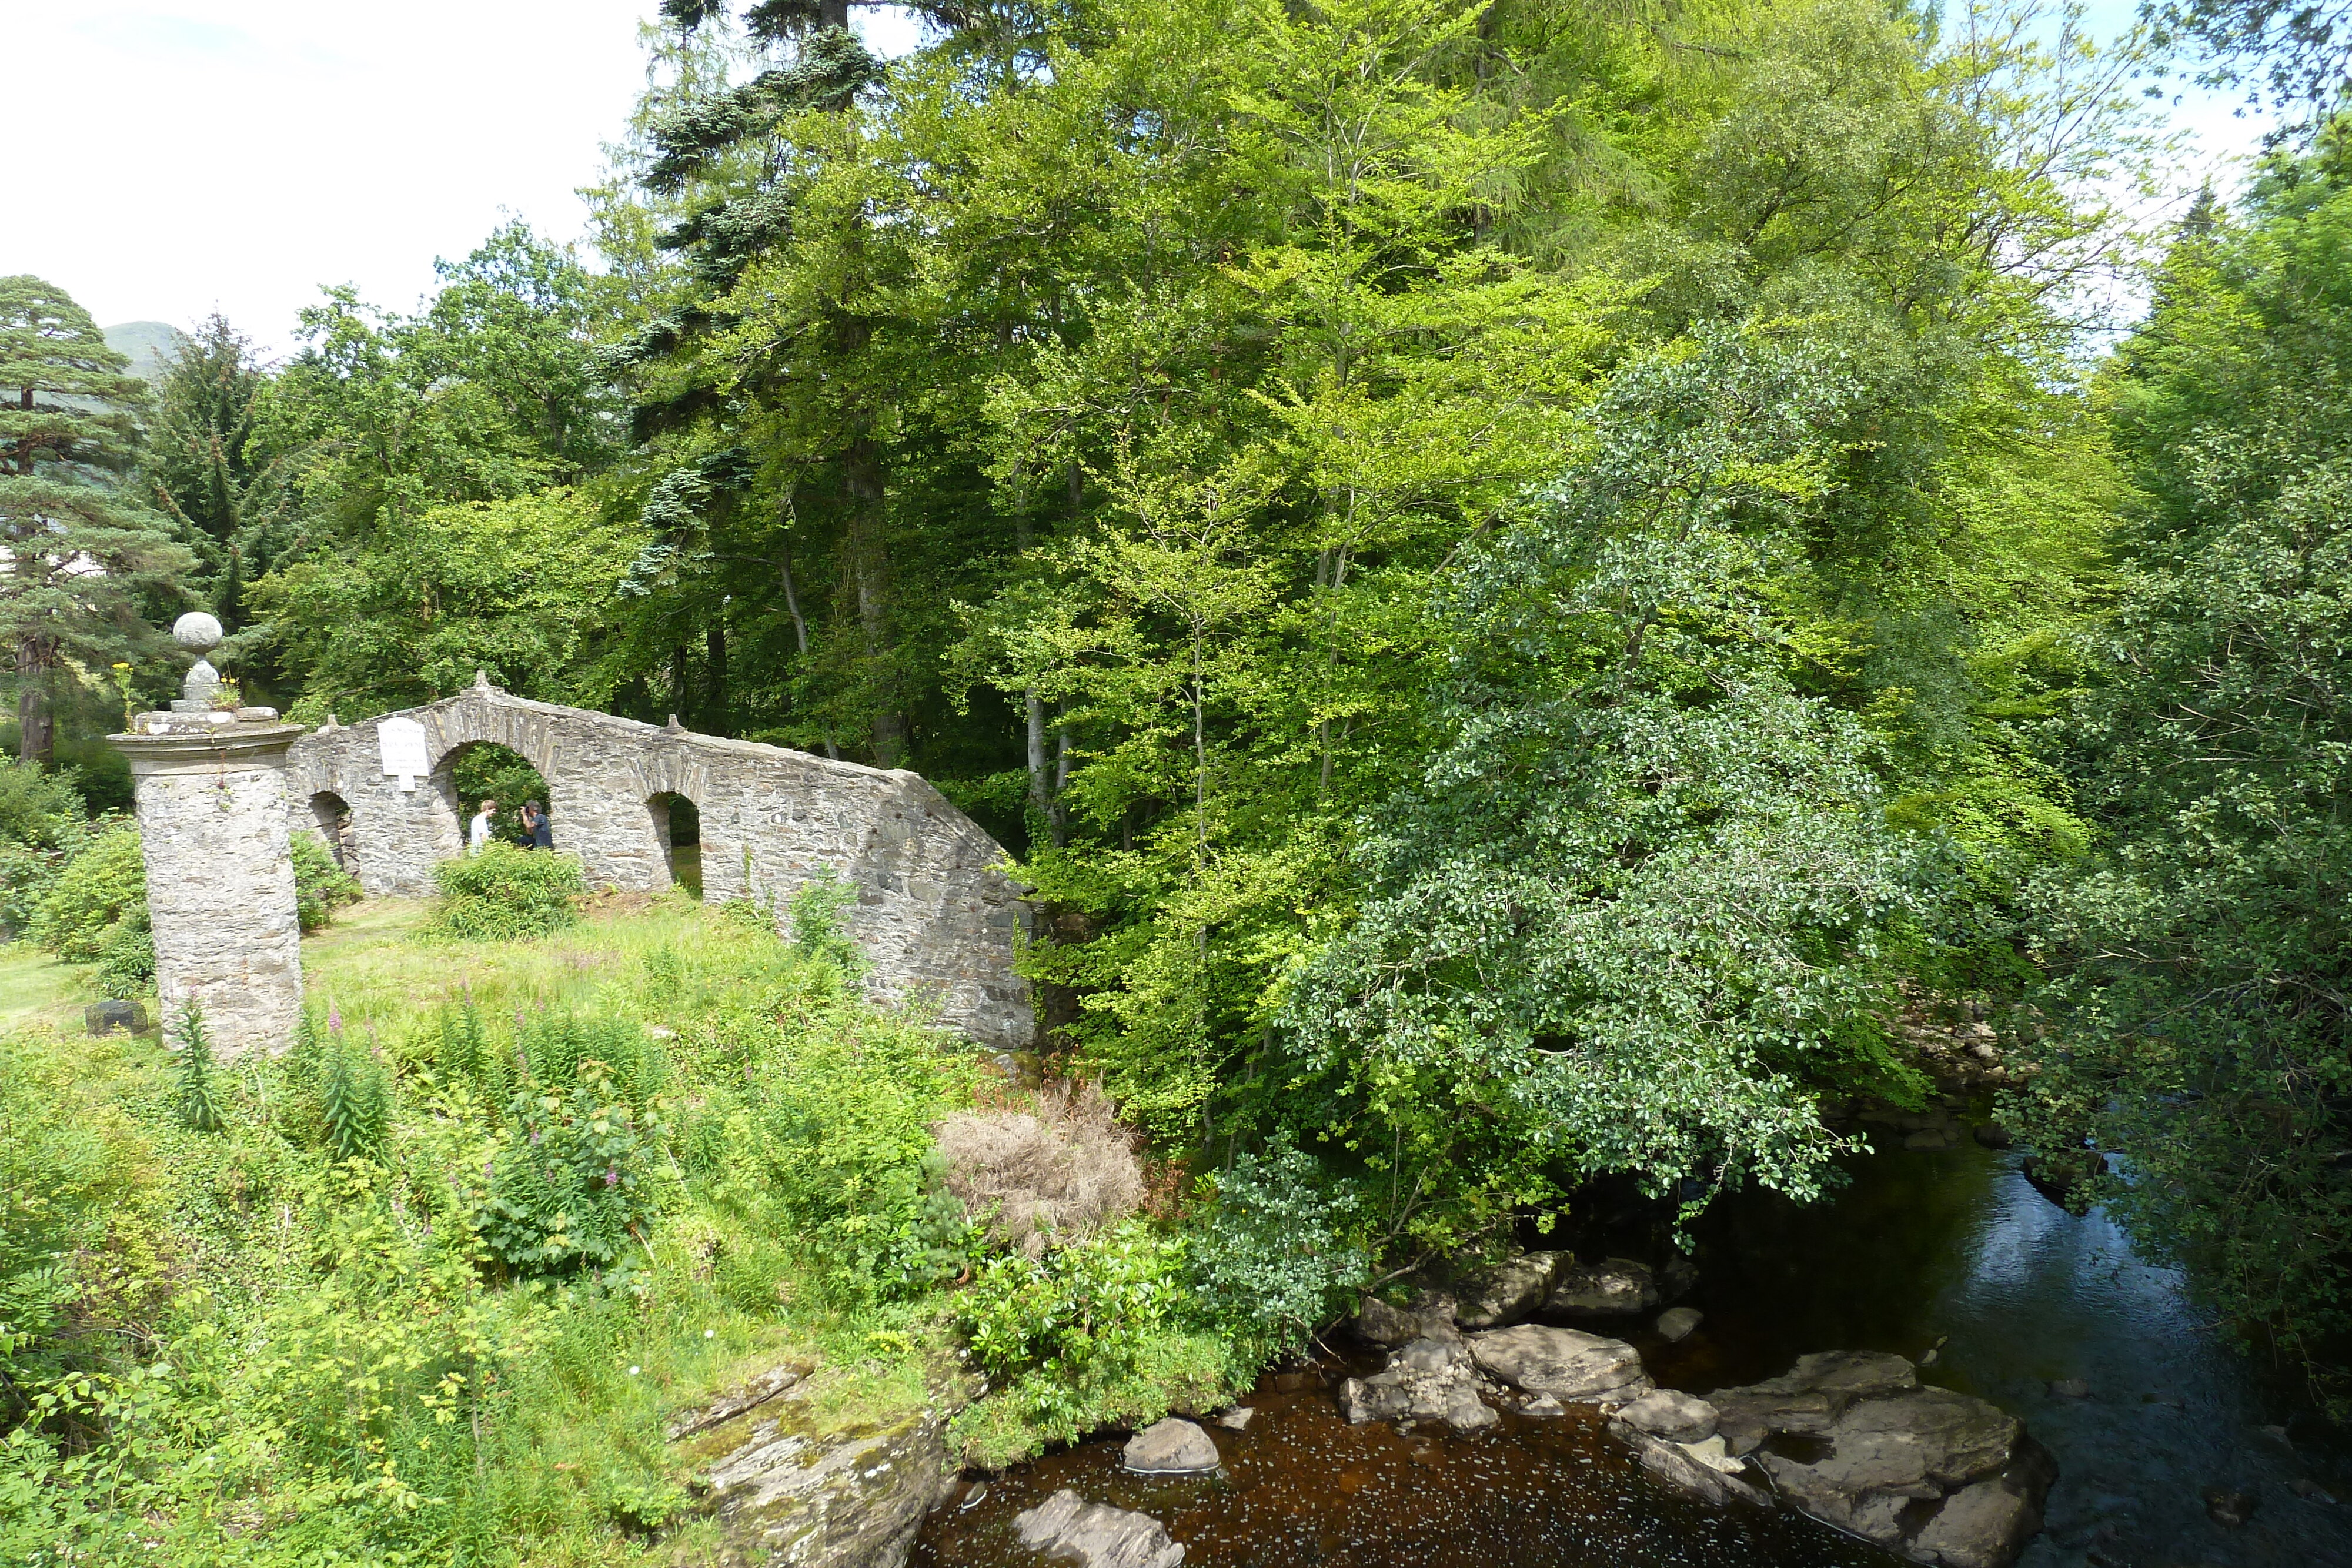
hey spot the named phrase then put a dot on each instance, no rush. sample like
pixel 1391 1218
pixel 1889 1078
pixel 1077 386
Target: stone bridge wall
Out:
pixel 933 913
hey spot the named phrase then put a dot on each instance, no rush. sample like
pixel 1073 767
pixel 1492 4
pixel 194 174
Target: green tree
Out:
pixel 2199 1022
pixel 84 558
pixel 232 501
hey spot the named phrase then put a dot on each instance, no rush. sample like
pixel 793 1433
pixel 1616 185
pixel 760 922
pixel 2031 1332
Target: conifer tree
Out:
pixel 202 465
pixel 81 555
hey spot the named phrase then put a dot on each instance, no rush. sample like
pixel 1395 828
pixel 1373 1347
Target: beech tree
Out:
pixel 81 553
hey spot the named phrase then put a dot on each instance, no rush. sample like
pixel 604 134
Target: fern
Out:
pixel 194 1097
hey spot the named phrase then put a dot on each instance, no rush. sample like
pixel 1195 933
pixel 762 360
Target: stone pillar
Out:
pixel 220 874
pixel 211 793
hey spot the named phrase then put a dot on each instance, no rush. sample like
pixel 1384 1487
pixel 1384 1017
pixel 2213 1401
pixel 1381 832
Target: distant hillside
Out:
pixel 146 342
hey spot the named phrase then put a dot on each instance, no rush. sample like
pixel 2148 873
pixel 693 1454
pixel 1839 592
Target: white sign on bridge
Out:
pixel 403 743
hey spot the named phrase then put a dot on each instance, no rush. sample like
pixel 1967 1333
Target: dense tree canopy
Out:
pixel 1522 579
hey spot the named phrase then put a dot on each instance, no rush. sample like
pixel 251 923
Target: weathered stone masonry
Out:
pixel 933 915
pixel 220 878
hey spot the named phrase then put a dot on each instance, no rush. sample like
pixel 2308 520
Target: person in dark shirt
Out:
pixel 538 835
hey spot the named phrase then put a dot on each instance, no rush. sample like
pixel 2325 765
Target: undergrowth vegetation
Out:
pixel 425 1288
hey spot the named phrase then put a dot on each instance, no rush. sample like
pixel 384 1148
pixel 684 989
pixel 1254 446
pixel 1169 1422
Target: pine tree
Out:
pixel 80 554
pixel 202 465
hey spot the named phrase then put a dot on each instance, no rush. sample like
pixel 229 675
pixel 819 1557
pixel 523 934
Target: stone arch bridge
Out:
pixel 934 913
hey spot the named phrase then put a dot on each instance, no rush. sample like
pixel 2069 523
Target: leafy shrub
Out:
pixel 105 881
pixel 72 1254
pixel 503 893
pixel 1276 1261
pixel 321 885
pixel 1036 1178
pixel 1100 1333
pixel 832 1148
pixel 816 913
pixel 126 957
pixel 581 1139
pixel 39 808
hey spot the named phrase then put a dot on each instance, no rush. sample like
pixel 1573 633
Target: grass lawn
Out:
pixel 35 989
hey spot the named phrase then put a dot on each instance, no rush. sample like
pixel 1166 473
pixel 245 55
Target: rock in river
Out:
pixel 1568 1366
pixel 1429 1317
pixel 1676 1323
pixel 1671 1414
pixel 1173 1447
pixel 1507 1292
pixel 1617 1287
pixel 1937 1475
pixel 1428 1380
pixel 1097 1535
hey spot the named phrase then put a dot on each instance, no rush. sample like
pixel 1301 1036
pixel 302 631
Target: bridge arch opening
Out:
pixel 481 771
pixel 333 815
pixel 678 827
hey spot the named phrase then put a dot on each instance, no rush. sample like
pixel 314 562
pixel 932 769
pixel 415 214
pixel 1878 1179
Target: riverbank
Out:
pixel 1945 1256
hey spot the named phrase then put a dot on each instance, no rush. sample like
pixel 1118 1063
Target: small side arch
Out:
pixel 333 813
pixel 677 828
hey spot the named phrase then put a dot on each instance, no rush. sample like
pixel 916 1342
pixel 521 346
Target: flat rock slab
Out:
pixel 1671 1414
pixel 1676 1324
pixel 1173 1447
pixel 1507 1292
pixel 1615 1288
pixel 1067 1525
pixel 1938 1476
pixel 1566 1364
pixel 847 1503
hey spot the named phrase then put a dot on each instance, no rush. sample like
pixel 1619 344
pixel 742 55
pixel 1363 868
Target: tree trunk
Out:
pixel 869 572
pixel 37 726
pixel 714 679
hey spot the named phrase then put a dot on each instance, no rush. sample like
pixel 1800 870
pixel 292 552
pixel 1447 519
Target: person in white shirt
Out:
pixel 483 827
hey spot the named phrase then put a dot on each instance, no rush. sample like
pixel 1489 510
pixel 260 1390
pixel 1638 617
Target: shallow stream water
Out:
pixel 1921 1247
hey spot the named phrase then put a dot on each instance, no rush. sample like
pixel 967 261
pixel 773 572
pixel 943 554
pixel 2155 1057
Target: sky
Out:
pixel 237 155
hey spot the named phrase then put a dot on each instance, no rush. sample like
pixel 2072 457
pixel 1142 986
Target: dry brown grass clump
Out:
pixel 1051 1173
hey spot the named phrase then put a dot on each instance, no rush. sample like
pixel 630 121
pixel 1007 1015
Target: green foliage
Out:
pixel 193 1097
pixel 1645 901
pixel 101 891
pixel 818 930
pixel 830 1145
pixel 503 893
pixel 321 883
pixel 354 1094
pixel 2197 1020
pixel 1280 1255
pixel 40 809
pixel 1100 1333
pixel 83 555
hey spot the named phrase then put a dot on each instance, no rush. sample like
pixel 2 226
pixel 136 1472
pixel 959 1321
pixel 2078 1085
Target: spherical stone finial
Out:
pixel 197 632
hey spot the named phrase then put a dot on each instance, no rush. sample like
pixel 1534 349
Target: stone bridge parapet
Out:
pixel 934 913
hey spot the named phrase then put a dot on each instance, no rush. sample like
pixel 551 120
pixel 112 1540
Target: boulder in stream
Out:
pixel 1428 1380
pixel 1569 1365
pixel 1676 1323
pixel 1430 1316
pixel 1097 1535
pixel 1850 1438
pixel 1174 1446
pixel 1614 1288
pixel 1509 1291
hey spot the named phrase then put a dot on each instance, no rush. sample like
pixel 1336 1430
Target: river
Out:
pixel 1920 1246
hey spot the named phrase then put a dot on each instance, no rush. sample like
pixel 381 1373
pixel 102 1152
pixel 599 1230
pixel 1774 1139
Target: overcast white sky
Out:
pixel 237 154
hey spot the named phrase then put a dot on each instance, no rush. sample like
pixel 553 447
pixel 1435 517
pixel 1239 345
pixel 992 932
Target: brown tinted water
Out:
pixel 1302 1487
pixel 1920 1246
